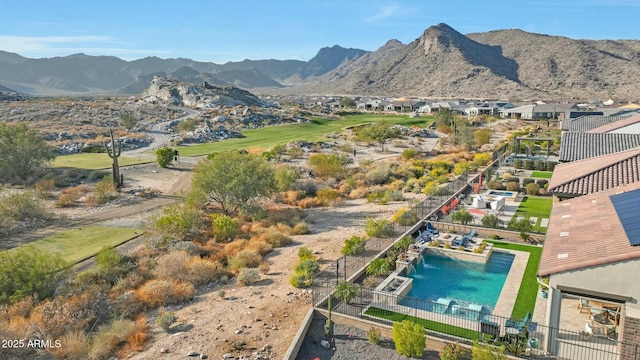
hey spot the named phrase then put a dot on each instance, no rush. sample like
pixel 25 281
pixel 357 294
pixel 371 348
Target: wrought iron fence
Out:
pixel 458 321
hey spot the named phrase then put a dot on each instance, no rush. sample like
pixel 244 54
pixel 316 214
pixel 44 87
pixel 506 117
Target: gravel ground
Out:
pixel 350 343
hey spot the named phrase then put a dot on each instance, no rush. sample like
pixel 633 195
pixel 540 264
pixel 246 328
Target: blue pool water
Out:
pixel 463 281
pixel 500 192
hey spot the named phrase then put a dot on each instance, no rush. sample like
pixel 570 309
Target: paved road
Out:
pixel 161 136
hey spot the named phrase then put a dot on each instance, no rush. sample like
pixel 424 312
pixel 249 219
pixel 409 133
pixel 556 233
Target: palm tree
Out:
pixel 462 216
pixel 346 290
pixel 379 267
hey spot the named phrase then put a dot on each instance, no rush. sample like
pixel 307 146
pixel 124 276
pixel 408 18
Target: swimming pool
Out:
pixel 464 282
pixel 501 193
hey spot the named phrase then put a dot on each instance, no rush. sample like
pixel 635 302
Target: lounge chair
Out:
pixel 432 229
pixel 584 306
pixel 463 241
pixel 442 305
pixel 475 311
pixel 519 325
pixel 473 234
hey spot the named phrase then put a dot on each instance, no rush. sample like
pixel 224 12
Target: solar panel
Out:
pixel 627 206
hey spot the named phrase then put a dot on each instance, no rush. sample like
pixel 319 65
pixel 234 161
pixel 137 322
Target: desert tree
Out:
pixel 379 132
pixel 127 119
pixel 233 180
pixel 462 216
pixel 23 152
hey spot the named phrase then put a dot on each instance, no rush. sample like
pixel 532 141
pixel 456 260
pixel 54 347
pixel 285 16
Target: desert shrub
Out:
pixel 224 227
pixel 127 305
pixel 26 271
pixel 305 253
pixel 244 259
pixel 487 352
pixel 275 237
pixel 264 268
pixel 451 351
pixel 21 206
pixel 103 192
pixel 310 266
pixel 309 202
pixel 109 337
pixel 164 292
pixel 405 217
pixel 290 197
pixel 550 165
pixel 165 320
pixel 409 153
pixel 540 165
pixel 403 243
pixel 110 265
pixel 532 189
pixel 285 177
pixel 495 185
pixel 374 336
pixel 259 247
pixel 328 165
pixel 300 228
pixel 513 186
pixel 187 246
pixel 379 267
pixel 248 276
pixel 517 164
pixel 177 222
pixel 327 196
pixel 76 346
pixel 542 183
pixel 235 246
pixel 61 314
pixel 353 246
pixel 482 158
pixel 377 175
pixel 527 181
pixel 461 168
pixel 528 164
pixel 44 187
pixel 380 228
pixel 409 338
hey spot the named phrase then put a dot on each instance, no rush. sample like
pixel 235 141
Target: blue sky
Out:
pixel 223 30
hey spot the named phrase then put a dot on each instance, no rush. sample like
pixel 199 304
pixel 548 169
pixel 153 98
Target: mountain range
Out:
pixel 441 62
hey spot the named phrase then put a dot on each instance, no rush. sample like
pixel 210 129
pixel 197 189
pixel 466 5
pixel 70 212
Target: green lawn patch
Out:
pixel 541 174
pixel 535 206
pixel 90 161
pixel 427 324
pixel 78 244
pixel 267 137
pixel 528 292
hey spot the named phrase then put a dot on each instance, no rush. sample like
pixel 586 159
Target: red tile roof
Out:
pixel 586 232
pixel 591 175
pixel 616 125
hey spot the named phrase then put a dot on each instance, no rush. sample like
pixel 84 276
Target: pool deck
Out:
pixel 509 293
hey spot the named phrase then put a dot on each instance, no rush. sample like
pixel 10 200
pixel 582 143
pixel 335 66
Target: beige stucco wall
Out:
pixel 622 278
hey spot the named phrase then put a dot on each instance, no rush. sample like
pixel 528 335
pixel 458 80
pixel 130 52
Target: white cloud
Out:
pixel 383 12
pixel 46 46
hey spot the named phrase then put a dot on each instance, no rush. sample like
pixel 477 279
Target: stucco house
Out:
pixel 592 251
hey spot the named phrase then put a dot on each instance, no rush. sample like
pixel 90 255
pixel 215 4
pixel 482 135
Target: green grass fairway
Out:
pixel 534 206
pixel 541 174
pixel 265 138
pixel 78 244
pixel 94 161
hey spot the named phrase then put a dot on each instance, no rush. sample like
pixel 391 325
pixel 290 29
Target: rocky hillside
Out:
pixel 205 95
pixel 510 64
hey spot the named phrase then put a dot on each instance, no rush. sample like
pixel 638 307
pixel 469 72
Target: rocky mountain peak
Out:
pixel 441 38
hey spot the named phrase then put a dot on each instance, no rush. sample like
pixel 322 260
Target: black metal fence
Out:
pixel 457 321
